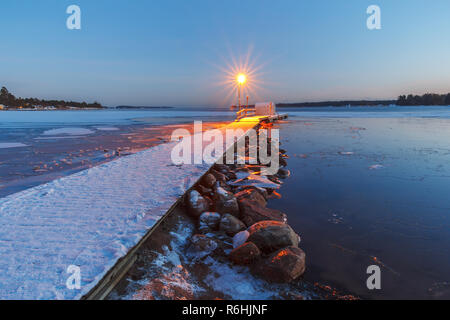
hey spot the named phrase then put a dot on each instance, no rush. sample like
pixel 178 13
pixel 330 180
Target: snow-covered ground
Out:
pixel 89 219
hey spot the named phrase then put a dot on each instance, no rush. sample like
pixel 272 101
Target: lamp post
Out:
pixel 241 79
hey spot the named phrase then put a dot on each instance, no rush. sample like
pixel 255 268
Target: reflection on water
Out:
pixel 369 191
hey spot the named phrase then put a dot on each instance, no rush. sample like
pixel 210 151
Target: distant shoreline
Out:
pixel 142 107
pixel 343 103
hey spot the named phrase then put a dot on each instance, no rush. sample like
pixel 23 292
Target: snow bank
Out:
pixel 89 219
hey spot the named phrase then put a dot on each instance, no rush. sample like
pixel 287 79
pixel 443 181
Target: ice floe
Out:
pixel 68 131
pixel 6 145
pixel 107 128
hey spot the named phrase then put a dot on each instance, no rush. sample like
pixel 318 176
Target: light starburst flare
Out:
pixel 243 74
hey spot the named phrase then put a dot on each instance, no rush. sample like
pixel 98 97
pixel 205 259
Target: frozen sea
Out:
pixel 40 146
pixel 370 186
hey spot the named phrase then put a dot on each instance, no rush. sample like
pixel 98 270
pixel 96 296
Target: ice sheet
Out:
pixel 69 131
pixel 6 145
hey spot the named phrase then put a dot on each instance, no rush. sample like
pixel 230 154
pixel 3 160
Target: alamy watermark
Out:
pixel 374 280
pixel 232 146
pixel 374 20
pixel 73 22
pixel 73 282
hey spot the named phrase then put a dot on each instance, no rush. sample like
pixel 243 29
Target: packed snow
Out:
pixel 90 219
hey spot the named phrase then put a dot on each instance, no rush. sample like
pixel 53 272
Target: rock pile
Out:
pixel 229 205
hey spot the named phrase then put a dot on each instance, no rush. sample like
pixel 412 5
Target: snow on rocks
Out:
pixel 209 221
pixel 240 238
pixel 225 202
pixel 201 246
pixel 256 181
pixel 196 204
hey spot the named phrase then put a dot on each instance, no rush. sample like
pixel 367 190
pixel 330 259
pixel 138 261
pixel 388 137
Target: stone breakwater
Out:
pixel 229 205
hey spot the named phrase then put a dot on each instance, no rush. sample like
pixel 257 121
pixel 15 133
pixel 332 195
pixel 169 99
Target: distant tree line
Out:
pixel 9 100
pixel 428 99
pixel 343 103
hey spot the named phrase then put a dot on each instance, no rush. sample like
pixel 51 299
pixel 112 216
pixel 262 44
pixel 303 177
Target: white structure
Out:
pixel 265 109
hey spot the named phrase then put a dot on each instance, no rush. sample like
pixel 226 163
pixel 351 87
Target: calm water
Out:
pixel 371 188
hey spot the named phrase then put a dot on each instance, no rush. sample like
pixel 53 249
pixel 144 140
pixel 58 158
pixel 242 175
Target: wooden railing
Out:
pixel 245 112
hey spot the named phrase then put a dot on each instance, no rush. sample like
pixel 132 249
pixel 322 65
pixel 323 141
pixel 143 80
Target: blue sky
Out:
pixel 170 52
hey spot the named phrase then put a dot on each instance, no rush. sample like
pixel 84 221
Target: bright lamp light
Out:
pixel 241 78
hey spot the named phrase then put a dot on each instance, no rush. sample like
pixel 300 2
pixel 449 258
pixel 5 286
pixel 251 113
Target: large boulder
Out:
pixel 231 175
pixel 196 204
pixel 225 202
pixel 240 238
pixel 252 212
pixel 231 225
pixel 274 179
pixel 283 266
pixel 223 168
pixel 224 186
pixel 219 176
pixel 270 236
pixel 253 195
pixel 201 246
pixel 208 180
pixel 283 173
pixel 209 221
pixel 204 190
pixel 262 191
pixel 245 254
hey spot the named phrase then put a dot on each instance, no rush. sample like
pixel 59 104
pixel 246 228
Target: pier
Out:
pixel 95 220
